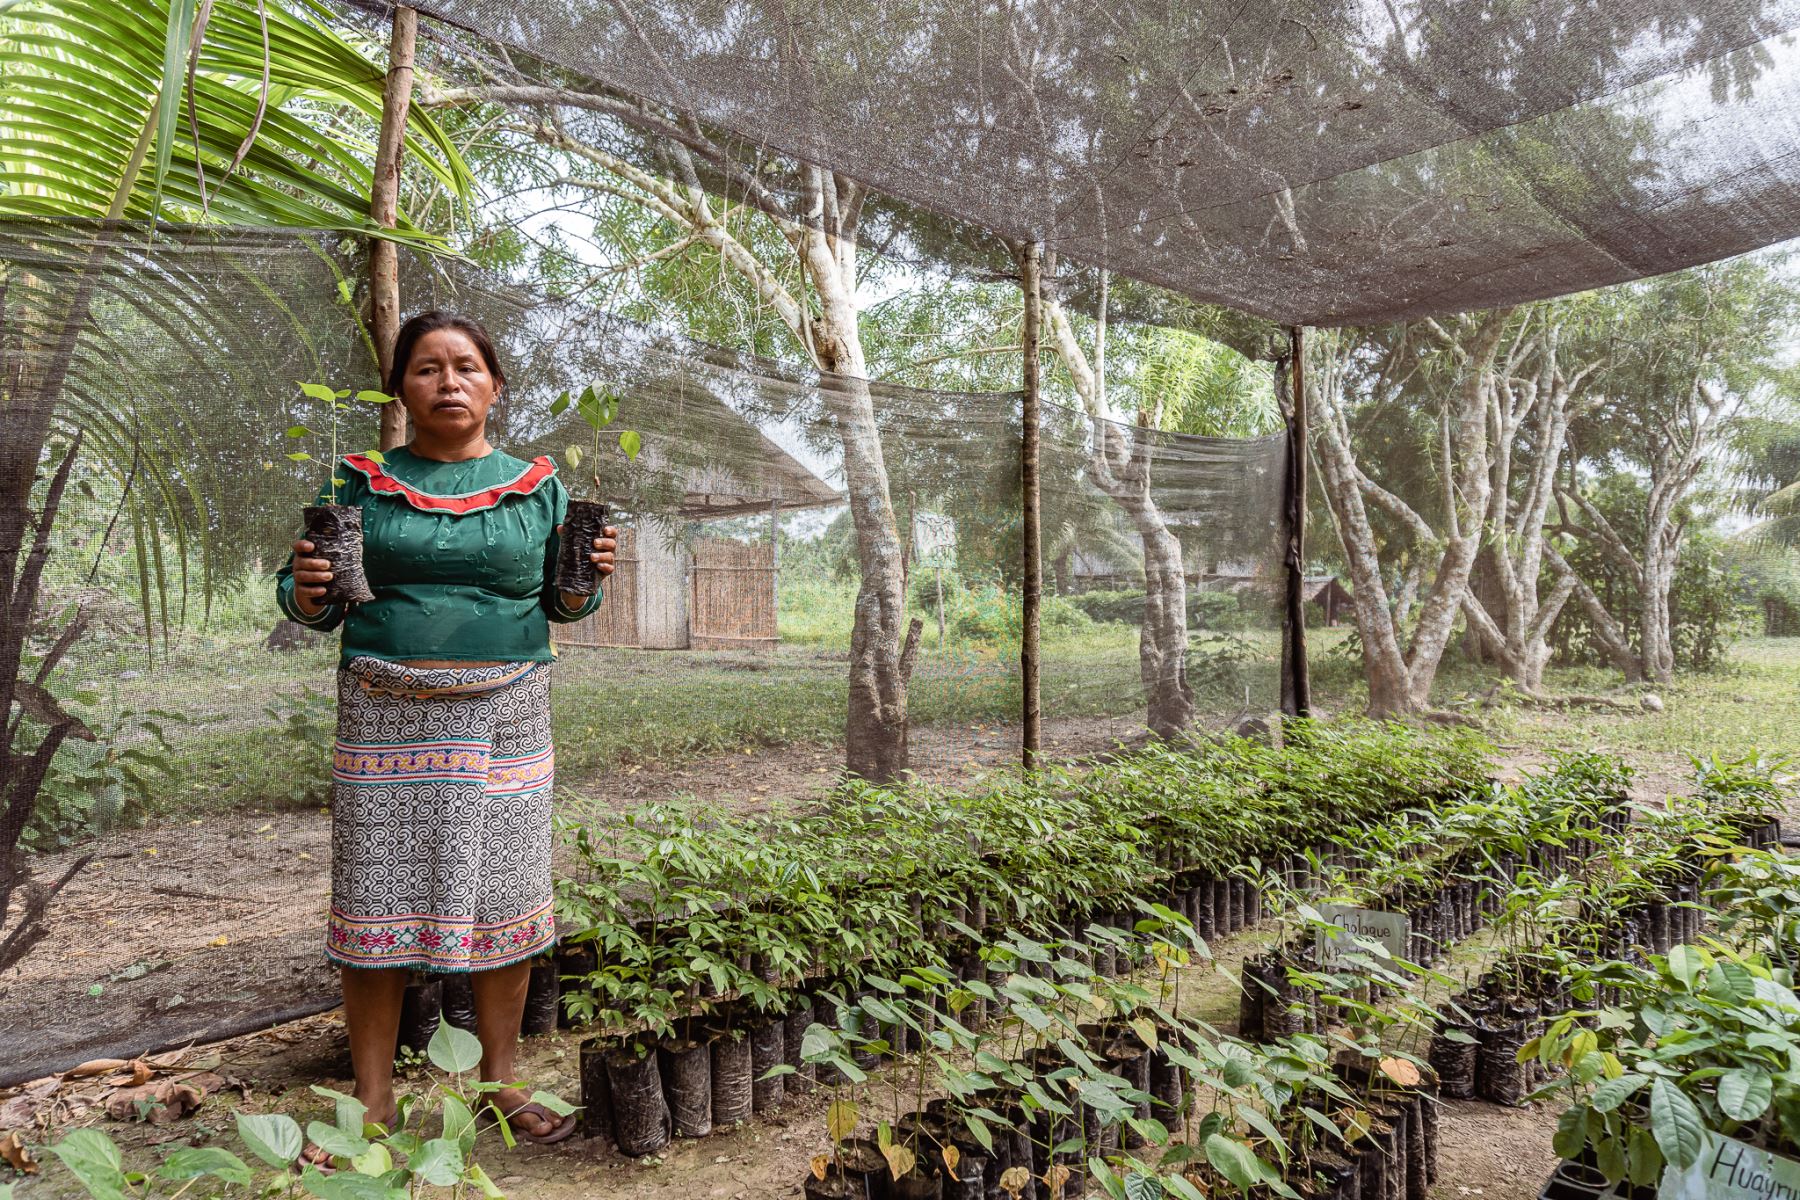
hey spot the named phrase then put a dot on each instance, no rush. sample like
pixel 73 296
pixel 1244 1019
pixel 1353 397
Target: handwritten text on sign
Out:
pixel 1389 929
pixel 1729 1170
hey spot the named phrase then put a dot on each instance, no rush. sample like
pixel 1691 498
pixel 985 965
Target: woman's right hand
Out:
pixel 310 577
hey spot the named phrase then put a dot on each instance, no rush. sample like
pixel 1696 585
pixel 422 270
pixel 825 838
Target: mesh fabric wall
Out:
pixel 718 670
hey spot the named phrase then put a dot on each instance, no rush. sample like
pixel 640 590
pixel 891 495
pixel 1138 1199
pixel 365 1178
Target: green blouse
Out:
pixel 461 557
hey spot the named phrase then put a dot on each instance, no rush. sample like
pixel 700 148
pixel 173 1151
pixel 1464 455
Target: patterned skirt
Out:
pixel 440 816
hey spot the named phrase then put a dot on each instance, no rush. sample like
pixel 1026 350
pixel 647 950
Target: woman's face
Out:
pixel 447 388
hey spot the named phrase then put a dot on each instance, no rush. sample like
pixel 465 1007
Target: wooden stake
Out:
pixel 384 202
pixel 1296 681
pixel 1030 282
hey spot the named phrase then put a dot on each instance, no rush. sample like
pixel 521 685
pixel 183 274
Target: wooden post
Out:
pixel 1030 271
pixel 940 607
pixel 384 201
pixel 775 555
pixel 1296 683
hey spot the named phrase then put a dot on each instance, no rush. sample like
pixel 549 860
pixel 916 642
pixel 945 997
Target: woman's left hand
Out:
pixel 604 549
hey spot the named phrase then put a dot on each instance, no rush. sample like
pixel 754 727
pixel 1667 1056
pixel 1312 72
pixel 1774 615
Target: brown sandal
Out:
pixel 562 1127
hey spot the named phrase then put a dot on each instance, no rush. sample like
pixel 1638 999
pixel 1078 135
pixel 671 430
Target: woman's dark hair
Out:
pixel 431 322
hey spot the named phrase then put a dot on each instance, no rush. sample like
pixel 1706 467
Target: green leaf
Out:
pixel 335 1141
pixel 295 431
pixel 376 1160
pixel 1676 1122
pixel 560 405
pixel 554 1103
pixel 483 1184
pixel 348 1113
pixel 572 455
pixel 1745 1093
pixel 348 1185
pixel 1644 1157
pixel 1685 964
pixel 454 1050
pixel 1179 1186
pixel 375 456
pixel 178 38
pixel 300 456
pixel 190 1162
pixel 631 442
pixel 93 1159
pixel 459 1123
pixel 1234 1160
pixel 438 1162
pixel 1142 1187
pixel 319 392
pixel 1614 1092
pixel 371 396
pixel 273 1137
pixel 816 1043
pixel 1571 1133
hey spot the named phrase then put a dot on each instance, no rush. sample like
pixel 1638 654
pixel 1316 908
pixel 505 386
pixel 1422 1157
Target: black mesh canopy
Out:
pixel 1311 162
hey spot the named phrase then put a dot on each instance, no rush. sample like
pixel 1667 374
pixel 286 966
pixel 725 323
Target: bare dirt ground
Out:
pixel 182 931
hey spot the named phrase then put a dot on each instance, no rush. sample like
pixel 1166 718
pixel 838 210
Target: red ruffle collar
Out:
pixel 382 484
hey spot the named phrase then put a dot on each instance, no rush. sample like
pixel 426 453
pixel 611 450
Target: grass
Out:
pixel 1750 705
pixel 257 729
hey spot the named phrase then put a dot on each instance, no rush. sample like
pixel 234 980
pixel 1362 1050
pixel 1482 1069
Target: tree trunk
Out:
pixel 1120 464
pixel 1163 644
pixel 1656 644
pixel 876 746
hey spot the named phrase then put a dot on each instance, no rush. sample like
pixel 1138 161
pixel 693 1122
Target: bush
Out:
pixel 1223 611
pixel 1122 607
pixel 986 612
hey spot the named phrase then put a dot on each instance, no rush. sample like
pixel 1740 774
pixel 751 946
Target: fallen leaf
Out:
pixel 167 1101
pixel 94 1066
pixel 819 1163
pixel 221 940
pixel 1400 1071
pixel 12 1149
pixel 18 1113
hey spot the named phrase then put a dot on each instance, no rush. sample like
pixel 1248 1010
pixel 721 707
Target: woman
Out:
pixel 443 767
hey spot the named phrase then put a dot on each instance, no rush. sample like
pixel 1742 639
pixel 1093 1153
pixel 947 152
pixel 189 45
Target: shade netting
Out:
pixel 1316 161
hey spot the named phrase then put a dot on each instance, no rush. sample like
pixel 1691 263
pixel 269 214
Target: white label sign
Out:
pixel 934 540
pixel 1727 1169
pixel 1390 929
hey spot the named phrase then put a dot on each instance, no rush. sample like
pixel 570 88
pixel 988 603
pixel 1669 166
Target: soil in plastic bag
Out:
pixel 459 1002
pixel 1339 1178
pixel 863 1162
pixel 1500 1077
pixel 336 532
pixel 1454 1062
pixel 421 1008
pixel 542 996
pixel 768 1045
pixel 573 959
pixel 596 1089
pixel 731 1078
pixel 916 1185
pixel 640 1114
pixel 575 571
pixel 687 1082
pixel 836 1187
pixel 793 1036
pixel 971 1176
